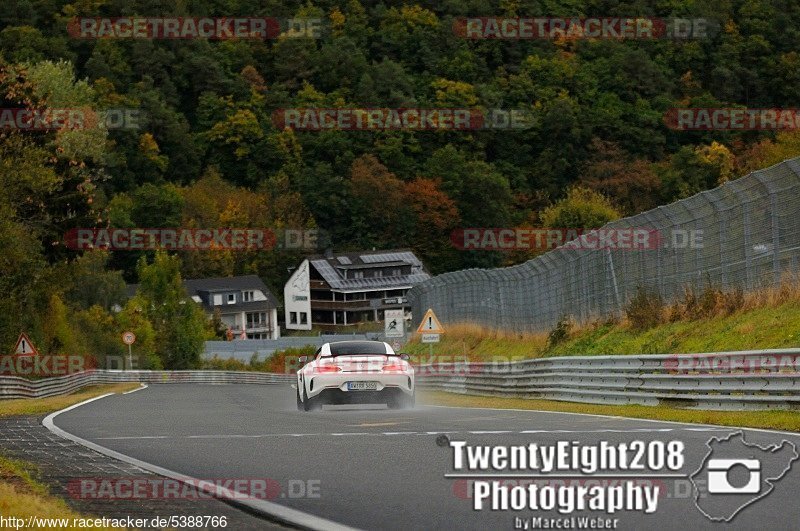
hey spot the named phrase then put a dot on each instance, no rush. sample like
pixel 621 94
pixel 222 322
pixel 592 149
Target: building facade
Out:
pixel 244 303
pixel 343 290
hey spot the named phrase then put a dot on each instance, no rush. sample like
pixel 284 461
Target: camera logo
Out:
pixel 738 473
pixel 718 482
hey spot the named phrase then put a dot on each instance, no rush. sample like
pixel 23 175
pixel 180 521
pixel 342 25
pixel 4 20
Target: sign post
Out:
pixel 431 329
pixel 395 325
pixel 129 338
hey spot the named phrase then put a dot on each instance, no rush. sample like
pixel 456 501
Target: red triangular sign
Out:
pixel 430 324
pixel 25 347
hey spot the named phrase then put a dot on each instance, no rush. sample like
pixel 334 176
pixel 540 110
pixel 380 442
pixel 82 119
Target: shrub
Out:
pixel 733 301
pixel 561 332
pixel 645 310
pixel 284 361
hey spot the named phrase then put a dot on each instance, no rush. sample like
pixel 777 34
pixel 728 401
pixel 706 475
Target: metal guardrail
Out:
pixel 758 379
pixel 16 387
pixel 243 349
pixel 725 380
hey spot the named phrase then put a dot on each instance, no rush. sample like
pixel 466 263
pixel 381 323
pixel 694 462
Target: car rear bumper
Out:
pixel 336 385
pixel 385 396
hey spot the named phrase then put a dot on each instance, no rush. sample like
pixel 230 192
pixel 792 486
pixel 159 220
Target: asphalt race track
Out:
pixel 382 469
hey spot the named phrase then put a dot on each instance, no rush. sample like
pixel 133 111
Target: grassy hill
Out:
pixel 709 321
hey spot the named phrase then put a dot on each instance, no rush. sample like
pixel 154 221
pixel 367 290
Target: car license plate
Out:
pixel 362 386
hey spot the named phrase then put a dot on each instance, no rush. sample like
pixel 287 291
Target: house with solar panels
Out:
pixel 342 290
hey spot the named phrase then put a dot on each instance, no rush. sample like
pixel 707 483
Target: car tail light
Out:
pixel 328 368
pixel 393 367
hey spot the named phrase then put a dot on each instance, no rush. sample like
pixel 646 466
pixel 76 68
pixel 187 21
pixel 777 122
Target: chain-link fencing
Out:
pixel 744 234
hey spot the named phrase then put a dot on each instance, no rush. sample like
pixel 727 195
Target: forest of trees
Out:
pixel 207 153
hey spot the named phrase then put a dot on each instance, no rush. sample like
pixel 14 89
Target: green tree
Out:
pixel 59 336
pixel 582 208
pixel 89 282
pixel 178 322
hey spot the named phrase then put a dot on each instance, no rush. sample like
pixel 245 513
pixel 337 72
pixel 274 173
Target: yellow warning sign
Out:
pixel 430 324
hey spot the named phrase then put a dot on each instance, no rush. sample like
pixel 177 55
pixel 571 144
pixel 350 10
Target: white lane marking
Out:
pixel 73 406
pixel 143 386
pixel 718 426
pixel 272 510
pixel 133 437
pixel 610 430
pixel 391 433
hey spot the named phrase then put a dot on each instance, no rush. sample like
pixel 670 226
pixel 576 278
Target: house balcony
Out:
pixel 341 305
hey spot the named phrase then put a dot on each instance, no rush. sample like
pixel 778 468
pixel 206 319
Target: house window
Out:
pixel 396 272
pixel 247 296
pixel 303 318
pixel 292 317
pixel 358 274
pixel 378 272
pixel 256 319
pixel 217 300
pixel 231 298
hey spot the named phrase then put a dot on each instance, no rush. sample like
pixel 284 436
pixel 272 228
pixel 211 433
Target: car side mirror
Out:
pixel 404 356
pixel 302 360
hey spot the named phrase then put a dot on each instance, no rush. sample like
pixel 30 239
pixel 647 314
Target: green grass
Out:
pixel 40 406
pixel 759 328
pixel 775 420
pixel 771 322
pixel 476 343
pixel 21 495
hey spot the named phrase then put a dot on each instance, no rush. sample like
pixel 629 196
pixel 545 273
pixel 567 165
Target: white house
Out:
pixel 245 304
pixel 339 290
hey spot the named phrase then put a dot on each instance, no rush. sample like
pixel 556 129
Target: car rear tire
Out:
pixel 299 402
pixel 312 404
pixel 307 406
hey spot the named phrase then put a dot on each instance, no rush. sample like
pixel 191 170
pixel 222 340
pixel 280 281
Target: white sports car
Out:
pixel 348 372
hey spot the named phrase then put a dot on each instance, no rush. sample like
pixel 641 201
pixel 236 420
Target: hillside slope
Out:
pixel 765 321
